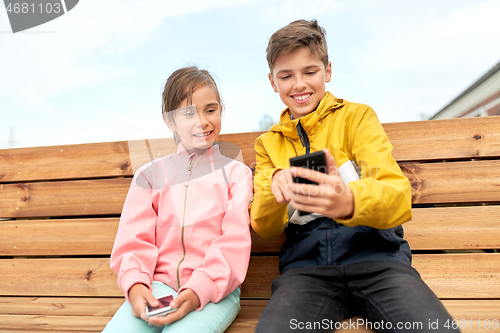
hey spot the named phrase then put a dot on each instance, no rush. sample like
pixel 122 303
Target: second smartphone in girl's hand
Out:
pixel 163 309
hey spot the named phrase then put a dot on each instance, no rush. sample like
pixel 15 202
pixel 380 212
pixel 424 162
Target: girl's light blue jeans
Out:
pixel 215 317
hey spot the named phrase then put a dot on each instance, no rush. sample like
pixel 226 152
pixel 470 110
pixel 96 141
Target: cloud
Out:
pixel 416 63
pixel 66 58
pixel 103 62
pixel 83 49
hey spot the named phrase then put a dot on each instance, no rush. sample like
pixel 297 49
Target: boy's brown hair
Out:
pixel 300 33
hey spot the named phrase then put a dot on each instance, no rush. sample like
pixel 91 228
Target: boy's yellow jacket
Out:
pixel 351 131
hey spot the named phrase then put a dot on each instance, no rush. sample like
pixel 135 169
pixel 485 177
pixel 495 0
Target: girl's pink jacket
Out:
pixel 185 223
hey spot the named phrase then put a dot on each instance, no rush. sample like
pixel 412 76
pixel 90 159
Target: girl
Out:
pixel 184 228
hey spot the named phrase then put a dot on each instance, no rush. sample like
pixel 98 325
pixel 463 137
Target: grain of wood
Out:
pixel 478 277
pixel 59 237
pixel 413 141
pixel 63 198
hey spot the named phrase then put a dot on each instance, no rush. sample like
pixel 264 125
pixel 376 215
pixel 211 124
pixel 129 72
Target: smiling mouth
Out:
pixel 202 135
pixel 301 97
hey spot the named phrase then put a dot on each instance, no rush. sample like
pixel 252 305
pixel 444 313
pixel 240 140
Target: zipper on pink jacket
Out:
pixel 190 169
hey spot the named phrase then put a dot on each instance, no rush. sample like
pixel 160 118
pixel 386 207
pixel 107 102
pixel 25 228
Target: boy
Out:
pixel 348 257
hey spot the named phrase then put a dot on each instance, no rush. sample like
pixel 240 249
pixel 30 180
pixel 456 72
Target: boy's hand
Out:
pixel 278 186
pixel 140 297
pixel 186 302
pixel 331 197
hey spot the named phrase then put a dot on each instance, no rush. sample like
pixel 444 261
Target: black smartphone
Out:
pixel 163 309
pixel 314 161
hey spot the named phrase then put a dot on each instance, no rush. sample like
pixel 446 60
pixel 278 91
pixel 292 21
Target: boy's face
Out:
pixel 299 77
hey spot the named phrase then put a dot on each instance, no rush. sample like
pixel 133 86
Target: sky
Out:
pixel 96 74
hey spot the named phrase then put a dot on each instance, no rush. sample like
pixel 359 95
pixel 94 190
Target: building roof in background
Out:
pixel 476 84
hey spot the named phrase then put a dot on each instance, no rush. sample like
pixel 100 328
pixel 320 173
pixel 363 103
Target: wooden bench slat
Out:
pixel 459 309
pixel 95 160
pixel 58 237
pixel 442 228
pixel 47 330
pixel 413 141
pixel 477 276
pixel 445 139
pixel 454 228
pixel 56 323
pixel 453 182
pixel 64 198
pixel 438 228
pixel 101 160
pixel 61 306
pixel 63 310
pixel 94 277
pixel 58 277
pixel 432 183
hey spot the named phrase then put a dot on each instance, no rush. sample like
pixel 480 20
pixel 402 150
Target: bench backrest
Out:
pixel 60 207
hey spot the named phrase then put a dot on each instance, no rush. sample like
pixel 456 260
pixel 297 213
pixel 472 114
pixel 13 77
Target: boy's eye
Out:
pixel 310 73
pixel 189 114
pixel 285 77
pixel 210 110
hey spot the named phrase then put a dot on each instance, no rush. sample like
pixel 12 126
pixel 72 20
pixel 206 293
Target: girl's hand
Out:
pixel 278 186
pixel 186 302
pixel 331 197
pixel 140 297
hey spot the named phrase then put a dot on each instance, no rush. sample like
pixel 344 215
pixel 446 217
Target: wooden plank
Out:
pixel 59 313
pixel 62 237
pixel 477 276
pixel 45 331
pixel 478 311
pixel 432 183
pixel 443 228
pixel 272 245
pixel 54 329
pixel 64 198
pixel 246 142
pixel 468 275
pixel 65 237
pixel 413 141
pixel 95 160
pixel 454 228
pixel 53 323
pixel 445 139
pixel 101 160
pixel 61 306
pixel 261 273
pixel 475 316
pixel 454 182
pixel 58 277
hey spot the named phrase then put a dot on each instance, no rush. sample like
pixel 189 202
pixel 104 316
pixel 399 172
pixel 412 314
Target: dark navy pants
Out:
pixel 389 296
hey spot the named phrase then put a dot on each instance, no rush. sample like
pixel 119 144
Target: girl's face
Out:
pixel 198 124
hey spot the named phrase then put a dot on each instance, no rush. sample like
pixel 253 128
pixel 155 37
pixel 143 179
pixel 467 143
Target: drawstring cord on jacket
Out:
pixel 304 139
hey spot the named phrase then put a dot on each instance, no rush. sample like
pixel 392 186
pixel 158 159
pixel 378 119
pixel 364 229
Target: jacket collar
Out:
pixel 310 122
pixel 214 149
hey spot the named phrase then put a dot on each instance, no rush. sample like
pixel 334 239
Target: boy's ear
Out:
pixel 328 72
pixel 273 84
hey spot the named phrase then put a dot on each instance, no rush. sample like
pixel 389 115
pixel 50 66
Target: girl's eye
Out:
pixel 210 110
pixel 189 114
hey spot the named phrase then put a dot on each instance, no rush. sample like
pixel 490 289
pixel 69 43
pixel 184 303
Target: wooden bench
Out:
pixel 60 207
